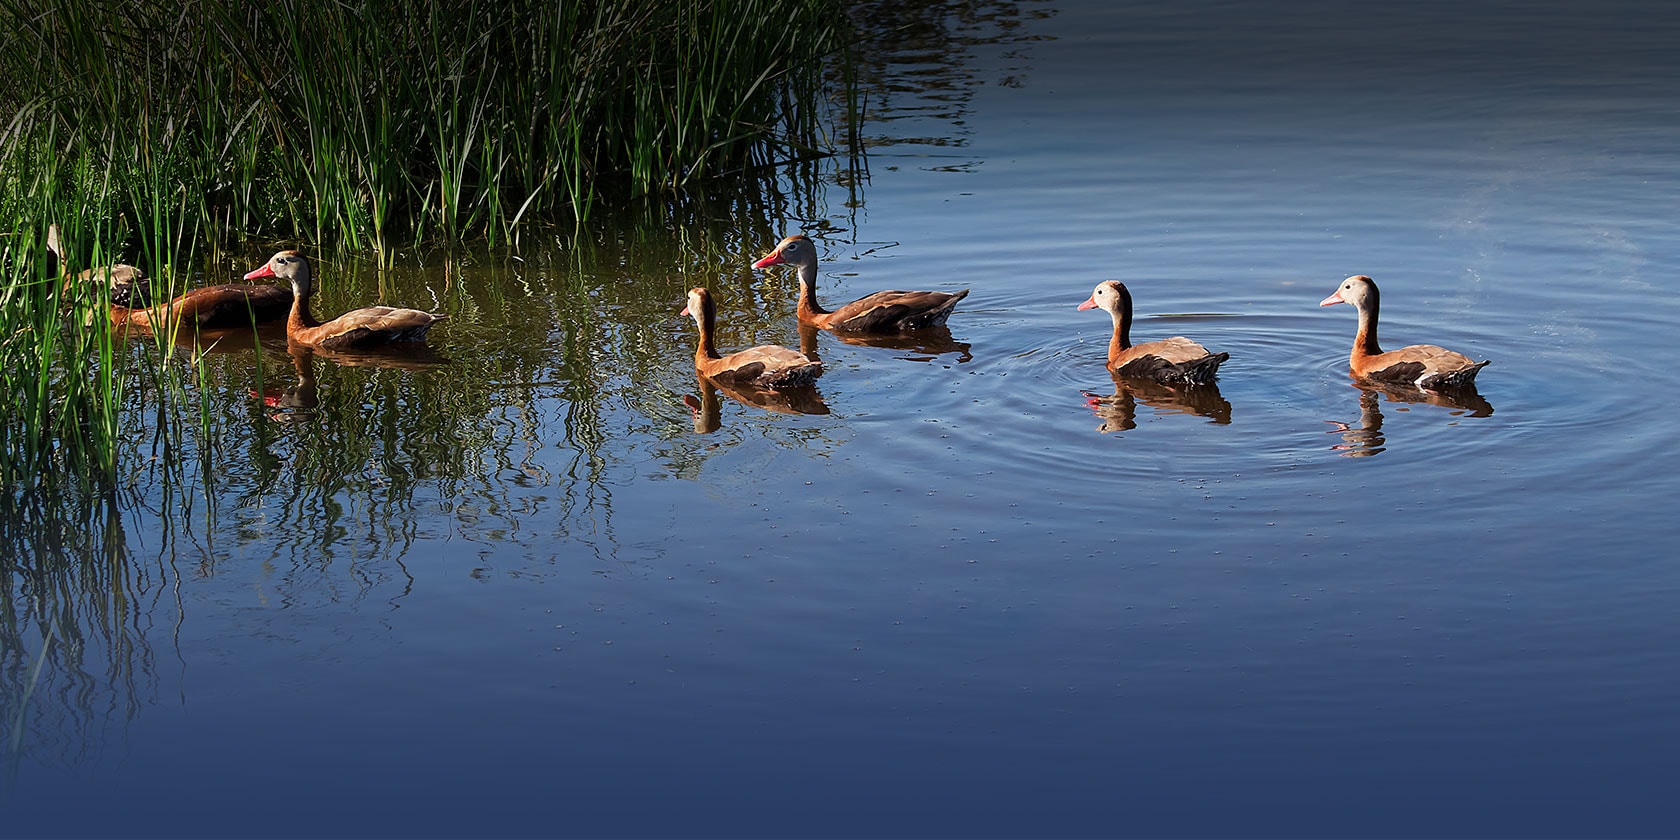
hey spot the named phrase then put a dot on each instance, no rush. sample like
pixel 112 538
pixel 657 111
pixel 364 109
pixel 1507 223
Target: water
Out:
pixel 984 595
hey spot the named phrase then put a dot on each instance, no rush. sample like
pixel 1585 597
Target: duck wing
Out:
pixel 768 366
pixel 895 310
pixel 376 324
pixel 1423 365
pixel 1176 359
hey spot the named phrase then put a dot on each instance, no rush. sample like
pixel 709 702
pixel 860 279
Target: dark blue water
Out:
pixel 986 595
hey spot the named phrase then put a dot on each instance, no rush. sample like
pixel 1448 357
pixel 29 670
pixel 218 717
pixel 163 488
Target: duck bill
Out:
pixel 1332 300
pixel 1090 303
pixel 773 259
pixel 260 273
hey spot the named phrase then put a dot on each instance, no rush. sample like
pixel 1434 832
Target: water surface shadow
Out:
pixel 708 408
pixel 406 355
pixel 923 345
pixel 1367 438
pixel 1118 411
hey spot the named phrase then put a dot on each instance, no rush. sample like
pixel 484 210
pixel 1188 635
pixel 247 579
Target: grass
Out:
pixel 389 121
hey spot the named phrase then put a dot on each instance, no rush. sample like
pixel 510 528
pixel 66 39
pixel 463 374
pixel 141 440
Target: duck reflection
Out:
pixel 406 355
pixel 1119 411
pixel 239 339
pixel 924 345
pixel 296 401
pixel 299 400
pixel 1367 439
pixel 708 408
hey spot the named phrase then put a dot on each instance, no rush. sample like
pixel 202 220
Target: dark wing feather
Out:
pixel 894 310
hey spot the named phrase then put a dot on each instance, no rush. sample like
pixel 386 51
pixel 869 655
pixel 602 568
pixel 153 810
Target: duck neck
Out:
pixel 301 317
pixel 1365 341
pixel 704 319
pixel 808 305
pixel 1122 314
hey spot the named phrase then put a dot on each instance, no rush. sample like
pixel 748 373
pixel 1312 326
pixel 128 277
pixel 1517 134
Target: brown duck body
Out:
pixel 1176 359
pixel 882 312
pixel 212 307
pixel 364 327
pixel 1422 365
pixel 766 366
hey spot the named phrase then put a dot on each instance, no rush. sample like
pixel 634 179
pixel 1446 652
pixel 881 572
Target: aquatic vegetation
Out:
pixel 370 123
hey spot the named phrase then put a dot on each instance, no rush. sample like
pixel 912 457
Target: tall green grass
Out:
pixel 60 386
pixel 374 123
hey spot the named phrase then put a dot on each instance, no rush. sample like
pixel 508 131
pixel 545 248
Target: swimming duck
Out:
pixel 1176 359
pixel 1422 365
pixel 766 366
pixel 370 325
pixel 882 312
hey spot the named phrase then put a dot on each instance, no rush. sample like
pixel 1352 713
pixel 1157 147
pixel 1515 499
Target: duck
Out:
pixel 211 308
pixel 129 285
pixel 765 366
pixel 1173 360
pixel 225 306
pixel 1420 365
pixel 369 326
pixel 882 312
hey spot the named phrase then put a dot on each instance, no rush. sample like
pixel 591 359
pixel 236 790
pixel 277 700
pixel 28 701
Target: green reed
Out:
pixel 369 124
pixel 60 386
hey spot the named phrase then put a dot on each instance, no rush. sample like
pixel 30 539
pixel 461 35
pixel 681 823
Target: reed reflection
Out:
pixel 1118 411
pixel 385 431
pixel 1367 438
pixel 75 609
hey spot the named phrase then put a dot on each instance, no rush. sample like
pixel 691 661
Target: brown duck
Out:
pixel 1176 359
pixel 207 308
pixel 129 285
pixel 882 312
pixel 212 308
pixel 364 327
pixel 1422 365
pixel 766 366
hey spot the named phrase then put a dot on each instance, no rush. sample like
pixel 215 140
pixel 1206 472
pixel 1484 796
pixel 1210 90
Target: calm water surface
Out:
pixel 509 588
